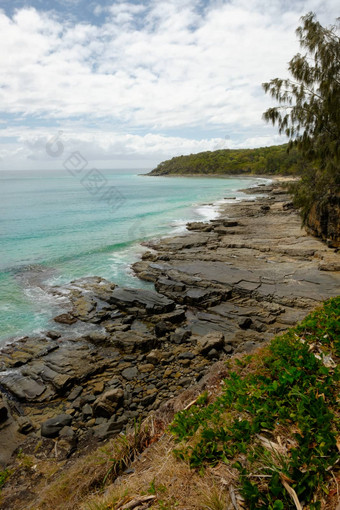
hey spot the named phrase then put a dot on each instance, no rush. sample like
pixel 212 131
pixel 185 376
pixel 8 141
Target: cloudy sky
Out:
pixel 128 84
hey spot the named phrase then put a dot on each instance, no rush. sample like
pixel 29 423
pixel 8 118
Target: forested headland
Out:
pixel 263 160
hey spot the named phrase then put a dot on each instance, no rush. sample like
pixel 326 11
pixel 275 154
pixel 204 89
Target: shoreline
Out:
pixel 224 287
pixel 135 252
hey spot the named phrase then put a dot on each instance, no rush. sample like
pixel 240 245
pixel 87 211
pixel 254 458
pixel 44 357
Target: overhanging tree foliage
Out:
pixel 309 109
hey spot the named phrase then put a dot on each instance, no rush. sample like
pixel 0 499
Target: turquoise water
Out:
pixel 54 228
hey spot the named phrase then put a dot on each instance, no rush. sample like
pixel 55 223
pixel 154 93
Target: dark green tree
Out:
pixel 309 110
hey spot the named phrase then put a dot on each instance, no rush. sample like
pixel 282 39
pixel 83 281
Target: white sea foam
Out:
pixel 208 212
pixel 178 226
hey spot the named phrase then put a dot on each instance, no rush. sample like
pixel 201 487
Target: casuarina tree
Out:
pixel 308 110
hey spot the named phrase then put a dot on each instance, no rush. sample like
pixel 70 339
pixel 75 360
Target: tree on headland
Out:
pixel 309 110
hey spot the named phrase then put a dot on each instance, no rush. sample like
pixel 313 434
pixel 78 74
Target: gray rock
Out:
pixel 186 355
pixel 106 405
pixel 24 388
pixel 130 373
pixel 131 341
pixel 180 336
pixel 75 392
pixel 98 337
pixel 147 300
pixel 65 318
pixel 162 328
pixel 52 427
pixel 67 432
pixel 87 411
pixel 175 317
pixel 148 400
pixel 214 340
pixel 205 297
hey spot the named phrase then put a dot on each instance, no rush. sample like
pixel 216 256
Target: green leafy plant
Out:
pixel 287 387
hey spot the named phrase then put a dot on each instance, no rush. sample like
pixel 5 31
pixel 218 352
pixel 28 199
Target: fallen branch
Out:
pixel 292 494
pixel 137 502
pixel 233 498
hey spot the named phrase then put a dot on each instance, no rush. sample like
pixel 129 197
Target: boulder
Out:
pixel 52 427
pixel 214 340
pixel 65 318
pixel 131 341
pixel 106 405
pixel 180 336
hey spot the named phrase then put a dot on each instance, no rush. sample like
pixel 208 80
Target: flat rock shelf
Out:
pixel 116 354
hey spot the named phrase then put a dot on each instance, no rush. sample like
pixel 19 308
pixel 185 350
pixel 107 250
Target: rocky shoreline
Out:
pixel 116 354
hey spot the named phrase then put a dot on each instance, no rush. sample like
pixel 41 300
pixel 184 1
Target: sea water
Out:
pixel 55 227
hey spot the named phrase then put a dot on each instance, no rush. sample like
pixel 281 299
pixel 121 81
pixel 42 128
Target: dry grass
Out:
pixel 88 474
pixel 173 483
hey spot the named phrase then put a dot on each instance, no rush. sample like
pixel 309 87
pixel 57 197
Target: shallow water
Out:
pixel 55 228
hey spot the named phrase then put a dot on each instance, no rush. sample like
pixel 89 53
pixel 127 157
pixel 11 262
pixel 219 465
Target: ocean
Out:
pixel 55 227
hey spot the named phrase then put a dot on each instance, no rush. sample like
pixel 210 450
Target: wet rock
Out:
pixel 98 337
pixel 52 427
pixel 225 222
pixel 106 405
pixel 54 335
pixel 199 226
pixel 65 318
pixel 214 340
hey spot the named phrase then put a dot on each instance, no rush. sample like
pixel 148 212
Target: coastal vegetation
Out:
pixel 308 112
pixel 264 160
pixel 277 418
pixel 265 437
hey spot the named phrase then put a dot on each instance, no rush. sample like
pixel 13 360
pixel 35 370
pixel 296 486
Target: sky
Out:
pixel 127 84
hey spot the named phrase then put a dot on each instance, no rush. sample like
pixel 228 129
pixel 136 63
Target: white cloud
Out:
pixel 103 149
pixel 153 67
